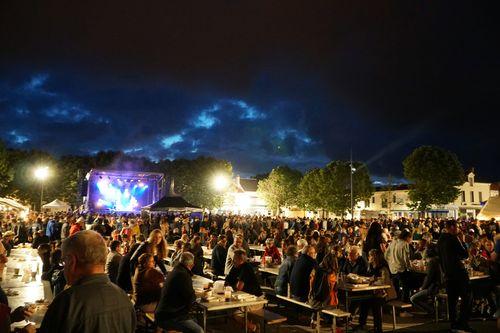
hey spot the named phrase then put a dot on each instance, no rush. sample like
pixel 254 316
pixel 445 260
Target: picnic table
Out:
pixel 350 288
pixel 270 270
pixel 19 292
pixel 240 300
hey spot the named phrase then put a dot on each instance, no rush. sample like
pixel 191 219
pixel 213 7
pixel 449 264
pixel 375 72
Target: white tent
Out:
pixel 56 206
pixel 7 204
pixel 491 210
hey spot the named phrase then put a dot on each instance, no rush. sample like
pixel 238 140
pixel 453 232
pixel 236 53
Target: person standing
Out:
pixel 451 253
pixel 92 303
pixel 398 258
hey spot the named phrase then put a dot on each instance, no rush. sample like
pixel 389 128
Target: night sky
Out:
pixel 259 83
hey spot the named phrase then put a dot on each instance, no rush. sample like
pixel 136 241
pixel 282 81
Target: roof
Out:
pixel 125 174
pixel 249 184
pixel 172 203
pixel 400 187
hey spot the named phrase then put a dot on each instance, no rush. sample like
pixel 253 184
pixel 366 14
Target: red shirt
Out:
pixel 272 252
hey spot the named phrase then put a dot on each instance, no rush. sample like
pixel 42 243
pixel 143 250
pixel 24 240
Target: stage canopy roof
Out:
pixel 172 202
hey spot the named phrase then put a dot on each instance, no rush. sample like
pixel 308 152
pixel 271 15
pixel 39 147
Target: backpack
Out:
pixel 319 295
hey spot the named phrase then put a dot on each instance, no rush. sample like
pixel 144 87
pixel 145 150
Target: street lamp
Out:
pixel 41 174
pixel 220 182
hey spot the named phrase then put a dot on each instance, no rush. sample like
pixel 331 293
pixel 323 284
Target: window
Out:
pixel 471 196
pixel 373 199
pixel 480 197
pixel 394 198
pixel 384 203
pixel 463 196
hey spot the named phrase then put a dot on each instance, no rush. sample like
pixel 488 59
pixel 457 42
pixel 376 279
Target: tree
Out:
pixel 435 174
pixel 311 190
pixel 337 185
pixel 194 179
pixel 6 174
pixel 280 188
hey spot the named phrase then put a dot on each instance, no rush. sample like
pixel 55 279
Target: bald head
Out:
pixel 87 246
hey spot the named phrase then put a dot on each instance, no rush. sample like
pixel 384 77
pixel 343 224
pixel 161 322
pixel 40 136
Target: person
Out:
pixel 113 260
pixel 451 253
pixel 271 251
pixel 285 270
pixel 53 274
pixel 7 241
pixel 76 226
pixel 177 298
pixel 431 284
pixel 39 239
pixel 355 263
pixel 19 314
pixel 301 272
pixel 242 276
pixel 237 245
pixel 65 229
pixel 3 259
pixel 219 254
pixel 379 270
pixel 155 245
pixel 124 278
pixel 176 254
pixel 92 303
pixel 197 251
pixel 322 284
pixel 397 256
pixel 147 283
pixel 374 239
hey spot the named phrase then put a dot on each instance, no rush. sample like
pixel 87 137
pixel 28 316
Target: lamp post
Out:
pixel 352 171
pixel 220 182
pixel 41 174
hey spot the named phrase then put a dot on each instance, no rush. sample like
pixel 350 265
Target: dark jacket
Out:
pixel 218 263
pixel 358 267
pixel 177 295
pixel 283 279
pixel 197 252
pixel 124 278
pixel 432 280
pixel 92 304
pixel 451 253
pixel 300 277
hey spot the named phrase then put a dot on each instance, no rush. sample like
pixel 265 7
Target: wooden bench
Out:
pixel 304 305
pixel 397 304
pixel 337 313
pixel 267 318
pixel 151 318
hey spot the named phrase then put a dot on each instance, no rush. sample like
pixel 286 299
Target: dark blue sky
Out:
pixel 260 84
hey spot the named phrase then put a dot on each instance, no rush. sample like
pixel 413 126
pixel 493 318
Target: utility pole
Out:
pixel 352 197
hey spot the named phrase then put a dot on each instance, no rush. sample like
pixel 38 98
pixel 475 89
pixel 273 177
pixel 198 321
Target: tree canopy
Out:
pixel 435 175
pixel 192 177
pixel 280 188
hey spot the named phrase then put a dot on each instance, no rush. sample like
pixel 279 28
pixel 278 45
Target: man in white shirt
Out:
pixel 398 258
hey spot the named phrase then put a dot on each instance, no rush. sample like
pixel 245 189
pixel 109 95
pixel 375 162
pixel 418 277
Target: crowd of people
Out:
pixel 110 259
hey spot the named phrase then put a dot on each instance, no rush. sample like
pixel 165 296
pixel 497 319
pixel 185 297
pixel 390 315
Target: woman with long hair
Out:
pixel 154 245
pixel 147 283
pixel 379 270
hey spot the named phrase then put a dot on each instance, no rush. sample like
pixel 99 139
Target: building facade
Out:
pixel 394 202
